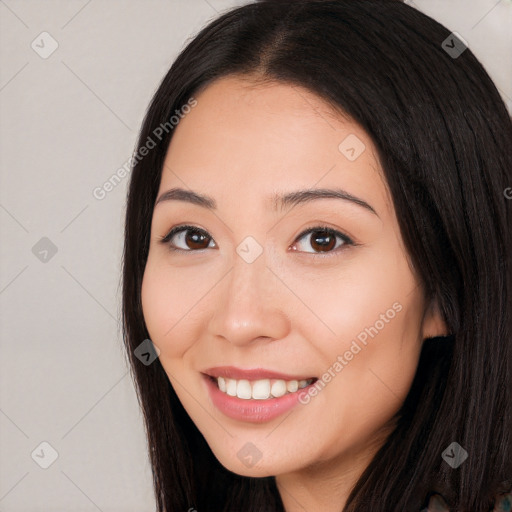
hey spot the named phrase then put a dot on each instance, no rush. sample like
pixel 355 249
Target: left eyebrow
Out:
pixel 303 196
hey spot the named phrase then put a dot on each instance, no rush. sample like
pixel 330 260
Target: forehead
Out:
pixel 256 138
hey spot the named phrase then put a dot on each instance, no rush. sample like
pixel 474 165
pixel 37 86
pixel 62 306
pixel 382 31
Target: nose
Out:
pixel 250 304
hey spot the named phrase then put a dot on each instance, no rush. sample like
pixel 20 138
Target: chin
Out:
pixel 248 461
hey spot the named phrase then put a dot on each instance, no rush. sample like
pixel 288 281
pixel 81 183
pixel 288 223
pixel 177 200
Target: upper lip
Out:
pixel 232 372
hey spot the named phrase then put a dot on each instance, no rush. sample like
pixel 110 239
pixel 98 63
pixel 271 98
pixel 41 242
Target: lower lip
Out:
pixel 251 410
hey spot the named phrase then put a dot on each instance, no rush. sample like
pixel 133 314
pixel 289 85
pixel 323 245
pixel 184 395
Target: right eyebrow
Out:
pixel 181 194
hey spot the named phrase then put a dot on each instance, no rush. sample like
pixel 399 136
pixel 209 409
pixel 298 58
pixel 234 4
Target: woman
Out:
pixel 318 247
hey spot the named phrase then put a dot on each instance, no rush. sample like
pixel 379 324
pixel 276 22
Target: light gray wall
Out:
pixel 68 122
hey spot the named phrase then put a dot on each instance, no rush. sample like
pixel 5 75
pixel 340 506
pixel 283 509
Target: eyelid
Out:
pixel 347 241
pixel 178 229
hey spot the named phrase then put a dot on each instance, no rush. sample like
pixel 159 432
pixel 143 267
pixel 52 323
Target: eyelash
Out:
pixel 347 241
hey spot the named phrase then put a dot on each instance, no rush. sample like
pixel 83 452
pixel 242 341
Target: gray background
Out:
pixel 68 122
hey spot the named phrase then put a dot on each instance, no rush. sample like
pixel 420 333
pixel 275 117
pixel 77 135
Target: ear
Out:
pixel 433 324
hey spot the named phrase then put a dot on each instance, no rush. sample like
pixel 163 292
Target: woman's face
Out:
pixel 258 299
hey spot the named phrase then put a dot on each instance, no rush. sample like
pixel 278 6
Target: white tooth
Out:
pixel 278 388
pixel 222 384
pixel 261 389
pixel 243 389
pixel 231 387
pixel 303 383
pixel 292 386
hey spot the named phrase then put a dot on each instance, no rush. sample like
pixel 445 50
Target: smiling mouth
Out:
pixel 262 389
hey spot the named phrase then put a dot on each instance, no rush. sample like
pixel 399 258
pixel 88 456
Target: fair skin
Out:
pixel 295 308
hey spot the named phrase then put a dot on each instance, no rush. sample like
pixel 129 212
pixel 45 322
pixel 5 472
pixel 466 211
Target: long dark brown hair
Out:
pixel 444 140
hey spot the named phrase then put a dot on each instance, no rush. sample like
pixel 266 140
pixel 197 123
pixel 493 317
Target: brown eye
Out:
pixel 323 240
pixel 187 238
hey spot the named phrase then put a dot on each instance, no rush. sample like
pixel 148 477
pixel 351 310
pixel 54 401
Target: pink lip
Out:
pixel 232 372
pixel 252 411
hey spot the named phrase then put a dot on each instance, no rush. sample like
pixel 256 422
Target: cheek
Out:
pixel 165 301
pixel 370 371
pixel 152 299
pixel 177 303
pixel 370 318
pixel 372 290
